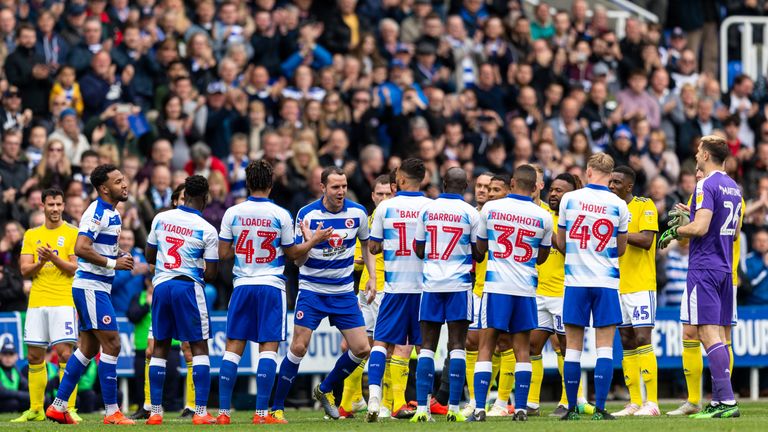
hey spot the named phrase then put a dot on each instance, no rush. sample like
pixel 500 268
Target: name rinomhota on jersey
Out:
pixel 102 224
pixel 259 230
pixel 329 265
pixel 184 241
pixel 394 225
pixel 448 227
pixel 592 217
pixel 515 228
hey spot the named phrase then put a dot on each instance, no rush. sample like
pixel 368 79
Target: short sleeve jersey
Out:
pixel 394 225
pixel 448 228
pixel 50 287
pixel 722 196
pixel 330 265
pixel 552 272
pixel 638 265
pixel 184 242
pixel 593 218
pixel 515 228
pixel 258 230
pixel 102 224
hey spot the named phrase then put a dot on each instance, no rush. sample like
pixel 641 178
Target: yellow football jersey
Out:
pixel 480 269
pixel 736 244
pixel 379 264
pixel 637 265
pixel 51 287
pixel 552 272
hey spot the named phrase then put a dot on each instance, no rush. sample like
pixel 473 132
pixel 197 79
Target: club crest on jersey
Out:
pixel 106 319
pixel 299 314
pixel 336 245
pixel 349 223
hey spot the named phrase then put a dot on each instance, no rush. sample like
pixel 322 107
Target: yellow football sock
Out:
pixel 537 376
pixel 399 380
pixel 495 368
pixel 147 397
pixel 190 403
pixel 506 375
pixel 352 387
pixel 471 360
pixel 71 403
pixel 730 357
pixel 649 370
pixel 38 379
pixel 631 368
pixel 386 387
pixel 563 395
pixel 693 367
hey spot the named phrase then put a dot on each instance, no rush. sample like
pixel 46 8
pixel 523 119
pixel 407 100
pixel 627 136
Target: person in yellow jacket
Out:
pixel 48 258
pixel 637 292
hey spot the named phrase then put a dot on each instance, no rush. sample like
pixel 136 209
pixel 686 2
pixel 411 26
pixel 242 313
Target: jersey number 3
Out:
pixel 244 246
pixel 173 252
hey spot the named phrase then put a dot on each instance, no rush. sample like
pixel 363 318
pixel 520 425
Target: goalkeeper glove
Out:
pixel 667 237
pixel 678 217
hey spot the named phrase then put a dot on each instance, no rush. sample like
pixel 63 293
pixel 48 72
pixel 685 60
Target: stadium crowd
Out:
pixel 168 88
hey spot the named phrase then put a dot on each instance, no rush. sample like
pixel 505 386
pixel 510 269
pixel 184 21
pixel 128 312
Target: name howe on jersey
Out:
pixel 515 228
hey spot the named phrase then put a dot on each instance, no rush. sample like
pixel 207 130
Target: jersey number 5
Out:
pixel 244 246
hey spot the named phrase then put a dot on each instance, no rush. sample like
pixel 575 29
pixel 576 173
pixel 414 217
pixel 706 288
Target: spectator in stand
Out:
pixel 676 272
pixel 219 199
pixel 68 132
pixel 13 292
pixel 158 196
pixel 739 101
pixel 12 115
pixel 658 160
pixel 566 123
pixel 14 174
pixel 757 269
pixel 14 387
pixel 102 87
pixel 81 54
pixel 129 283
pixel 343 27
pixel 636 101
pixel 54 169
pixel 703 124
pixel 29 72
pixel 203 163
pixel 686 71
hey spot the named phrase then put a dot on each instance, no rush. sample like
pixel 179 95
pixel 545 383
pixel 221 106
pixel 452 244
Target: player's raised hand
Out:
pixel 124 262
pixel 679 217
pixel 320 235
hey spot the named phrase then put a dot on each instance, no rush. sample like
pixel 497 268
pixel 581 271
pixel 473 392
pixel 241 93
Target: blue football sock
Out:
pixel 76 366
pixel 377 363
pixel 289 368
pixel 108 378
pixel 523 373
pixel 457 371
pixel 603 375
pixel 345 365
pixel 227 379
pixel 425 376
pixel 156 380
pixel 572 376
pixel 265 379
pixel 201 377
pixel 482 379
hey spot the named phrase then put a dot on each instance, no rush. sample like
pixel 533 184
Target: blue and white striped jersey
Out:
pixel 101 223
pixel 329 265
pixel 592 218
pixel 449 227
pixel 184 241
pixel 260 229
pixel 515 228
pixel 394 224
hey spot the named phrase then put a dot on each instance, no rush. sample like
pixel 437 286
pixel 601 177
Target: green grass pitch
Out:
pixel 754 418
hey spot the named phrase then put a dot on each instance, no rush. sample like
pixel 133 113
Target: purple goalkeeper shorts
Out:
pixel 710 297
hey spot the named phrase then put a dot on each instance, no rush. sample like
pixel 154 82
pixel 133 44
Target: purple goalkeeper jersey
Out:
pixel 714 250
